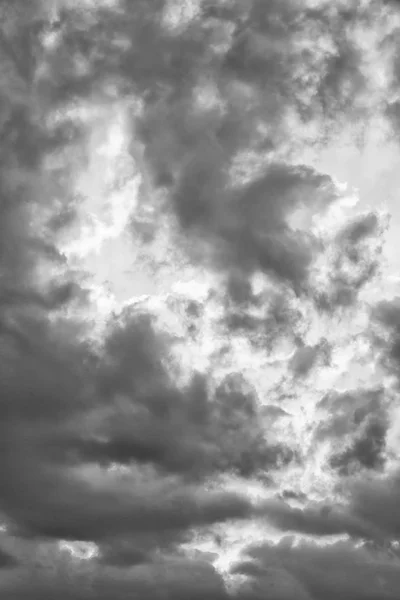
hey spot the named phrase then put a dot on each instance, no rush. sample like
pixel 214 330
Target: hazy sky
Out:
pixel 199 300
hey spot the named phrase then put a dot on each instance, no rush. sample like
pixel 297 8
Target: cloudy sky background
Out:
pixel 199 300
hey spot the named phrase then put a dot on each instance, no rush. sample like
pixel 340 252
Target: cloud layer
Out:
pixel 238 436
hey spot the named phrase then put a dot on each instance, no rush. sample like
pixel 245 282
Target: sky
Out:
pixel 199 300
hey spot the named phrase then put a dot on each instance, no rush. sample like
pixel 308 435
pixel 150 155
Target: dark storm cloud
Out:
pixel 86 511
pixel 51 382
pixel 41 379
pixel 60 420
pixel 313 572
pixel 375 501
pixel 123 553
pixel 40 411
pixel 173 579
pixel 185 431
pixel 317 520
pixel 167 579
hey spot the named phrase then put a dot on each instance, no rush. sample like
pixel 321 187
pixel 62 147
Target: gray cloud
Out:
pixel 306 357
pixel 318 520
pixel 366 450
pixel 190 152
pixel 169 578
pixel 7 560
pixel 385 334
pixel 356 262
pixel 253 233
pixel 70 411
pixel 356 424
pixel 277 317
pixel 56 424
pixel 311 571
pixel 374 500
pixel 347 411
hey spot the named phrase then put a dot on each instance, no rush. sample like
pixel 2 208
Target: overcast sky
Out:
pixel 199 300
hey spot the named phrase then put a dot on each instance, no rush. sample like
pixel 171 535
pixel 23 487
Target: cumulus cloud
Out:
pixel 167 433
pixel 355 425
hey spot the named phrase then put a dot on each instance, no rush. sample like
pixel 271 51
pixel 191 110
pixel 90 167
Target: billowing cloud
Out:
pixel 356 428
pixel 366 450
pixel 356 256
pixel 168 431
pixel 61 434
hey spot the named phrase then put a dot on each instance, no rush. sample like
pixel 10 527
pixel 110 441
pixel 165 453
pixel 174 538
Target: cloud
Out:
pixel 305 357
pixel 94 514
pixel 253 233
pixel 356 424
pixel 374 500
pixel 116 438
pixel 169 578
pixel 7 560
pixel 269 317
pixel 356 257
pixel 124 554
pixel 317 520
pixel 184 431
pixel 190 151
pixel 385 335
pixel 355 232
pixel 40 417
pixel 120 406
pixel 311 571
pixel 366 451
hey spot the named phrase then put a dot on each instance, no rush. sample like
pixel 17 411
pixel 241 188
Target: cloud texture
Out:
pixel 236 436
